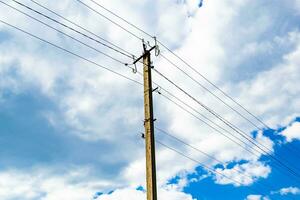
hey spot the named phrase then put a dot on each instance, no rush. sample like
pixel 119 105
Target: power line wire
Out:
pixel 210 156
pixel 174 65
pixel 81 27
pixel 205 122
pixel 110 20
pixel 118 16
pixel 209 91
pixel 215 86
pixel 243 134
pixel 215 129
pixel 70 28
pixel 69 36
pixel 277 166
pixel 70 52
pixel 219 89
pixel 205 166
pixel 224 121
pixel 196 71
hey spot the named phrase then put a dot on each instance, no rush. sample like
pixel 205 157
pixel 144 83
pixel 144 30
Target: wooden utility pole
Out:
pixel 149 125
pixel 149 128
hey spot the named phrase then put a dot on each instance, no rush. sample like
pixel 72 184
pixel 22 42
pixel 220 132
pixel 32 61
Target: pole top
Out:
pixel 145 53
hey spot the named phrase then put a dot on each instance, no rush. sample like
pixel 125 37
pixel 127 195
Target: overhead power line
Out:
pixel 110 20
pixel 239 141
pixel 269 187
pixel 277 165
pixel 82 28
pixel 69 36
pixel 214 85
pixel 209 91
pixel 56 29
pixel 123 19
pixel 68 27
pixel 243 134
pixel 72 53
pixel 48 26
pixel 210 169
pixel 182 60
pixel 186 63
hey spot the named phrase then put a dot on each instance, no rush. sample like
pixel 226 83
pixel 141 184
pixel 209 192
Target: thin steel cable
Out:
pixel 277 165
pixel 217 130
pixel 114 14
pixel 69 36
pixel 70 28
pixel 206 123
pixel 244 135
pixel 82 28
pixel 215 86
pixel 196 71
pixel 209 91
pixel 159 42
pixel 72 53
pixel 267 186
pixel 13 0
pixel 214 128
pixel 205 166
pixel 110 20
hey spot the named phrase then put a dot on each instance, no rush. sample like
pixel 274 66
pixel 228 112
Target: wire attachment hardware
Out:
pixel 134 69
pixel 148 43
pixel 157 89
pixel 157 50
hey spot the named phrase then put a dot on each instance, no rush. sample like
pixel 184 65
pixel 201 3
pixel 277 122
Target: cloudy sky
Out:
pixel 71 129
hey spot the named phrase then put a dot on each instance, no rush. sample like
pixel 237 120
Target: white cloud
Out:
pixel 288 190
pixel 128 193
pixel 256 197
pixel 292 132
pixel 44 185
pixel 243 174
pixel 47 186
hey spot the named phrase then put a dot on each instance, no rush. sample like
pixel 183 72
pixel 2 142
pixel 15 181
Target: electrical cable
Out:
pixel 61 32
pixel 72 53
pixel 70 28
pixel 82 28
pixel 206 79
pixel 243 134
pixel 215 86
pixel 209 91
pixel 110 20
pixel 267 186
pixel 205 166
pixel 219 89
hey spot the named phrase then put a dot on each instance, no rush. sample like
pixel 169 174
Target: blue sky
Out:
pixel 71 130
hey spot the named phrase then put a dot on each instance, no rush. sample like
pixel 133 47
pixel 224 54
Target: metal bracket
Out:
pixel 134 69
pixel 147 120
pixel 146 52
pixel 157 89
pixel 148 43
pixel 157 50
